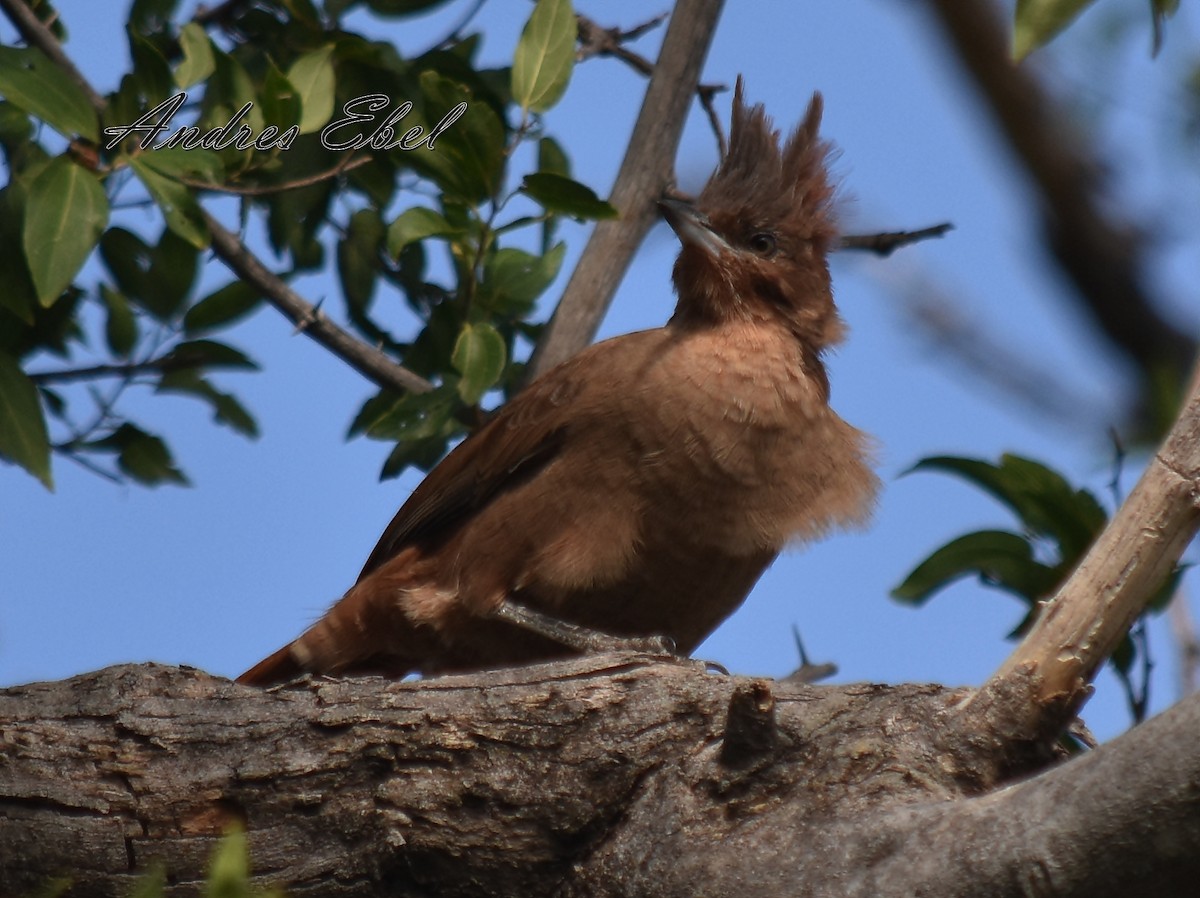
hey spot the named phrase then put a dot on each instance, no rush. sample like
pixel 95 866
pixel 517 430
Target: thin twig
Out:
pixel 347 165
pixel 707 94
pixel 596 40
pixel 886 243
pixel 455 33
pixel 88 465
pixel 95 372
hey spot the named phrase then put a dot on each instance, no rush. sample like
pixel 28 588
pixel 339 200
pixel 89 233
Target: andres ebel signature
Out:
pixel 368 121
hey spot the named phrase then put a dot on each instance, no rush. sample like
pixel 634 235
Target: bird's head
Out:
pixel 755 242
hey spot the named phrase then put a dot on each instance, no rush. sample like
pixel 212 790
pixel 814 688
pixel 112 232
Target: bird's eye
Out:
pixel 763 243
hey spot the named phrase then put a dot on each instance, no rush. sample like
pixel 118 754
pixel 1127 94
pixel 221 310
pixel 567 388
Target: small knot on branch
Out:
pixel 750 728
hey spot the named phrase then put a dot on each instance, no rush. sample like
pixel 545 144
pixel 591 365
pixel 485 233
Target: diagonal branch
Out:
pixel 36 34
pixel 645 172
pixel 1043 683
pixel 368 361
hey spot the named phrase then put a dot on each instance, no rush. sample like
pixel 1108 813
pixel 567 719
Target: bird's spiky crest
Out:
pixel 787 186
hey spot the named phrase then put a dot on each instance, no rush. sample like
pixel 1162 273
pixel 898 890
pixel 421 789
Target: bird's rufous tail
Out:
pixel 276 668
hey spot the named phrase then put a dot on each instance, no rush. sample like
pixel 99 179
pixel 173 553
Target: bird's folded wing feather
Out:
pixel 523 437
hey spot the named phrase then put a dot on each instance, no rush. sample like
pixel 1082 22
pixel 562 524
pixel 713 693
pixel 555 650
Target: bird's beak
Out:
pixel 691 226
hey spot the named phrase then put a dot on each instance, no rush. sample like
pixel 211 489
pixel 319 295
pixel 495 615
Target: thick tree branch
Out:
pixel 645 172
pixel 1120 821
pixel 600 776
pixel 1103 257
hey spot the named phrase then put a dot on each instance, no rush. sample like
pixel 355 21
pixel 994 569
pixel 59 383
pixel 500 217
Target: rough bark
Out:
pixel 609 775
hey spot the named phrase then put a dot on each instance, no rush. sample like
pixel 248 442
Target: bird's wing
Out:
pixel 523 437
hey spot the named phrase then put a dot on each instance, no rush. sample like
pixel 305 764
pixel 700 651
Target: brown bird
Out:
pixel 640 488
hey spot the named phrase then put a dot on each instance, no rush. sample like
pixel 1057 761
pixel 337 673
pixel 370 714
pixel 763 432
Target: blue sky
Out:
pixel 273 531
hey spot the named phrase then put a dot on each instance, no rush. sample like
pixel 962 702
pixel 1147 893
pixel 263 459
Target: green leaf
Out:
pixel 31 81
pixel 177 162
pixel 19 295
pixel 467 160
pixel 278 99
pixel 120 328
pixel 479 356
pixel 1038 21
pixel 513 278
pixel 198 60
pixel 224 306
pixel 358 257
pixel 207 354
pixel 65 213
pixel 179 207
pixel 997 556
pixel 552 160
pixel 1041 498
pixel 128 258
pixel 313 77
pixel 23 436
pixel 558 194
pixel 229 871
pixel 151 71
pixel 151 16
pixel 141 455
pixel 226 408
pixel 422 454
pixel 545 56
pixel 415 224
pixel 172 271
pixel 421 423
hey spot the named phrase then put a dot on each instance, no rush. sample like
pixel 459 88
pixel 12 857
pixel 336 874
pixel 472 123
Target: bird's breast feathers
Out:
pixel 741 422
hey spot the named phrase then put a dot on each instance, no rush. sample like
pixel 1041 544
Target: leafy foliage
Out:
pixel 1037 22
pixel 1058 525
pixel 228 875
pixel 395 170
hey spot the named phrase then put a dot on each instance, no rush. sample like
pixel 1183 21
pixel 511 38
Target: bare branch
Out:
pixel 1043 683
pixel 368 361
pixel 348 164
pixel 888 242
pixel 595 40
pixel 95 372
pixel 645 173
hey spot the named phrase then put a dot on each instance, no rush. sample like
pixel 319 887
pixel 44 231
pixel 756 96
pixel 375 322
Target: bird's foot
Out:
pixel 582 639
